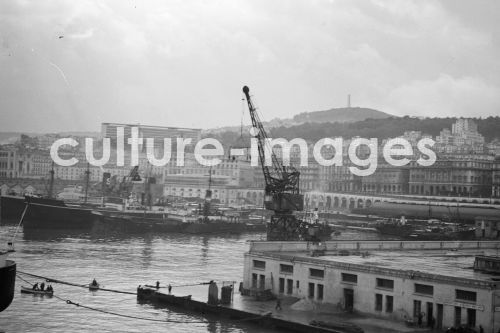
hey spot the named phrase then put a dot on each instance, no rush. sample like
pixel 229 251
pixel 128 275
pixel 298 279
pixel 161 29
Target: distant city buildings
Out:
pixel 466 166
pixel 463 138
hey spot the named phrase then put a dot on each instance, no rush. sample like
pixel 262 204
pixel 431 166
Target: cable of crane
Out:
pixel 67 301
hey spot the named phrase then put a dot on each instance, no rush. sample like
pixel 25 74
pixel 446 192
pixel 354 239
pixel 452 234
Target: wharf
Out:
pixel 295 314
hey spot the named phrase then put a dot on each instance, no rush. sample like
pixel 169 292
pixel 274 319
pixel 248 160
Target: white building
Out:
pixel 386 279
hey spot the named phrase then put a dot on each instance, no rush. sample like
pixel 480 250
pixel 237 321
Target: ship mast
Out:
pixel 51 184
pixel 208 197
pixel 87 179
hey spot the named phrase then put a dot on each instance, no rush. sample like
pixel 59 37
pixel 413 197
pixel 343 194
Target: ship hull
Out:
pixel 40 216
pixel 7 284
pixel 11 207
pixel 214 227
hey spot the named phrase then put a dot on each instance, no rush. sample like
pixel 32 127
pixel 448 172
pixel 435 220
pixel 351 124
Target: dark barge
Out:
pixel 186 303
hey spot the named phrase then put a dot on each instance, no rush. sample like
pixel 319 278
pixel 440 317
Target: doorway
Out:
pixel 349 299
pixel 439 319
pixel 430 314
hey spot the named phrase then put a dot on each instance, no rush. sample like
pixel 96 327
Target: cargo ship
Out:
pixel 7 280
pixel 11 207
pixel 425 230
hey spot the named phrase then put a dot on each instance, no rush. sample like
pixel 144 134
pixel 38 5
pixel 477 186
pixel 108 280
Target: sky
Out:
pixel 71 65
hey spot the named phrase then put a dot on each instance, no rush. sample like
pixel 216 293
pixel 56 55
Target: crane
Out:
pixel 281 193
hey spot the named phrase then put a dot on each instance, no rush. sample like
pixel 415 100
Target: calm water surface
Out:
pixel 122 263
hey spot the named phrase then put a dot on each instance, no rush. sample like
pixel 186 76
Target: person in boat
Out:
pixel 157 284
pixel 169 288
pixel 35 286
pixel 49 288
pixel 42 286
pixel 94 282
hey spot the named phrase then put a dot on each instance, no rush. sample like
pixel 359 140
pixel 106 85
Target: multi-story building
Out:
pixel 386 179
pixel 463 138
pixel 453 174
pixel 392 280
pixel 158 133
pixel 8 162
pixel 339 178
pixel 495 179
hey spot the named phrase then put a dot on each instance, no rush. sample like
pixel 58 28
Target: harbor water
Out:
pixel 121 262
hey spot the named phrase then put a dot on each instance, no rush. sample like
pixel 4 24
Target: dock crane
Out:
pixel 281 193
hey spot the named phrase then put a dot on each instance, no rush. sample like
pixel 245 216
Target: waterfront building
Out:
pixel 495 179
pixel 8 162
pixel 453 174
pixel 392 280
pixel 339 178
pixel 387 179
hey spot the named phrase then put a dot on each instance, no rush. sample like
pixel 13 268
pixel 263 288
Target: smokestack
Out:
pixel 349 101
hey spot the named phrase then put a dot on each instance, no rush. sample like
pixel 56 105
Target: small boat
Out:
pixel 29 290
pixel 93 286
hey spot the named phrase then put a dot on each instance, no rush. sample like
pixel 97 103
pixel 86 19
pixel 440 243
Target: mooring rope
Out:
pixel 178 285
pixel 19 277
pixel 47 279
pixel 67 301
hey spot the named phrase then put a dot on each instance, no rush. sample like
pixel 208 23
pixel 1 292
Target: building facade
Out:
pixel 393 286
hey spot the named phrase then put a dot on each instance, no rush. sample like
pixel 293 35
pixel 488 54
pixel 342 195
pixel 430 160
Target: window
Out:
pixel 465 295
pixel 385 283
pixel 286 269
pixel 389 303
pixel 289 286
pixel 317 273
pixel 351 278
pixel 311 290
pixel 297 284
pixel 424 289
pixel 378 302
pixel 258 264
pixel 282 285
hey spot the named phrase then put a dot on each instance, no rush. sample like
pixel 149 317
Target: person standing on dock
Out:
pixel 169 288
pixel 278 304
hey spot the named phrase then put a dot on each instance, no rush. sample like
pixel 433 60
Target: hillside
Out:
pixel 368 128
pixel 382 128
pixel 340 115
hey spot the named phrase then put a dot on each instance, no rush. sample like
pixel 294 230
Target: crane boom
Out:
pixel 281 186
pixel 278 178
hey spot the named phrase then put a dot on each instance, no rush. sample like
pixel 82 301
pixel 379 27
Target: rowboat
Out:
pixel 94 286
pixel 29 290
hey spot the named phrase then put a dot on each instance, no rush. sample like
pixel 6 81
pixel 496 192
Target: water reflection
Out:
pixel 147 252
